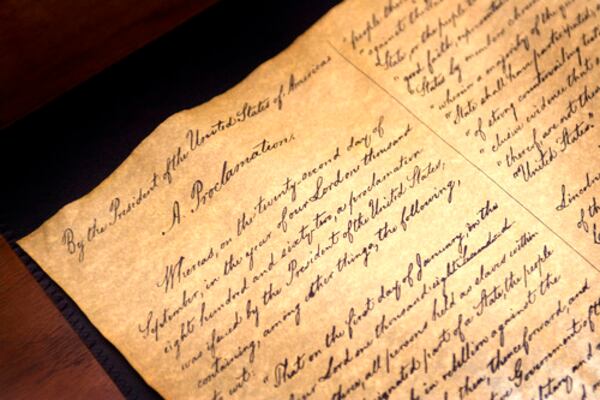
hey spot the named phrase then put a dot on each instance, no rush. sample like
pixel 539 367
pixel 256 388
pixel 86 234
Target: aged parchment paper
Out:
pixel 403 204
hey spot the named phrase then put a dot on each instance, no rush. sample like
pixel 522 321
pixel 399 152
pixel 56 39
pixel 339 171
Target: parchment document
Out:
pixel 403 204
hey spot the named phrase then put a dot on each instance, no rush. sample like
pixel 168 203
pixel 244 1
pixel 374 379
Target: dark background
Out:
pixel 63 150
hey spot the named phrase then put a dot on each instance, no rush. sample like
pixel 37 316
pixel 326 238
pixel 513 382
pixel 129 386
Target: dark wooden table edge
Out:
pixel 85 347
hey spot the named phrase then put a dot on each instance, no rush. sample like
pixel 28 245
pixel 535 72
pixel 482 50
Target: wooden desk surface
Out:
pixel 41 357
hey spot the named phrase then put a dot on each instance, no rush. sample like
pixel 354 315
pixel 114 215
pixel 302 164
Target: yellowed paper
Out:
pixel 403 204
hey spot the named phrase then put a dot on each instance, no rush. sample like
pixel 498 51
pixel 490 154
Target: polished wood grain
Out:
pixel 50 46
pixel 41 357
